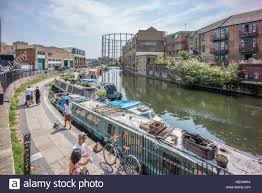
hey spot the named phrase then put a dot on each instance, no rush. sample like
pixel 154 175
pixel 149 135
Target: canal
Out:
pixel 233 120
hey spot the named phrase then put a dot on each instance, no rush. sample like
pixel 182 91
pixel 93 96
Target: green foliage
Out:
pixel 85 84
pixel 16 142
pixel 101 93
pixel 186 55
pixel 193 72
pixel 68 77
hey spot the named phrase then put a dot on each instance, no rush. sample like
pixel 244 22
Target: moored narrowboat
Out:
pixel 162 150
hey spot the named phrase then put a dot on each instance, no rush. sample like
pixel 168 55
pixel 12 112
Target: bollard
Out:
pixel 1 95
pixel 27 152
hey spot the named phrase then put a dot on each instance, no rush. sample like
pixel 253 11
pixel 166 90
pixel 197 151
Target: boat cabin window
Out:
pixel 147 115
pixel 123 136
pixel 74 109
pixel 77 111
pixel 111 129
pixel 70 88
pixel 171 164
pixel 82 113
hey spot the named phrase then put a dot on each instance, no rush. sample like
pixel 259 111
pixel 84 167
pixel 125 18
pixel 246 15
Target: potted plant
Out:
pixel 101 94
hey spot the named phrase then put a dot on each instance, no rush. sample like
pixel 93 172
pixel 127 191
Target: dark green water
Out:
pixel 234 120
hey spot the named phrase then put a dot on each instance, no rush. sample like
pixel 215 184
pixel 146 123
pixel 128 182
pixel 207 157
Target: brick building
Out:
pixel 142 49
pixel 10 49
pixel 42 57
pixel 234 39
pixel 39 57
pixel 176 42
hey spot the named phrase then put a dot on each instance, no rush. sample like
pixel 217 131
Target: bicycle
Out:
pixel 112 151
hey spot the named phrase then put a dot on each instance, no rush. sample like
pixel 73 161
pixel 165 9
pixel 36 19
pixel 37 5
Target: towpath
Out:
pixel 51 149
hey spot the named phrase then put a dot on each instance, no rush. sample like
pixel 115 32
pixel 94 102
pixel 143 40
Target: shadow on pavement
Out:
pixel 59 130
pixel 106 168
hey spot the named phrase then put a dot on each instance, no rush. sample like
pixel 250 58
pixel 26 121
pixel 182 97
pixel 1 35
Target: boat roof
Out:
pixel 239 162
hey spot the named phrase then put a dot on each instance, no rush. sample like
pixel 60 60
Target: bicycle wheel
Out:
pixel 131 165
pixel 109 153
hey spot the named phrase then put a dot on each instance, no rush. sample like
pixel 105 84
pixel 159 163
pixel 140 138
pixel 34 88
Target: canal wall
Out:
pixel 161 72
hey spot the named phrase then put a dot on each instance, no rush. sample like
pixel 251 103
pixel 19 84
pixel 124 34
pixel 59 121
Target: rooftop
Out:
pixel 245 17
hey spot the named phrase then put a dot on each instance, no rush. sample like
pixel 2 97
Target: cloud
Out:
pixel 84 21
pixel 85 17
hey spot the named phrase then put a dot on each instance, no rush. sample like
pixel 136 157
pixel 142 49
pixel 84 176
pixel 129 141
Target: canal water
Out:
pixel 233 120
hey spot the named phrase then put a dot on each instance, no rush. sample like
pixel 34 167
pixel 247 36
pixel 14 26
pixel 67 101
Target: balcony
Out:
pixel 223 36
pixel 218 51
pixel 250 62
pixel 246 33
pixel 247 49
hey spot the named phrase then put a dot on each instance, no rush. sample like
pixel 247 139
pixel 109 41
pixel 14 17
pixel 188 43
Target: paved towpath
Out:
pixel 51 149
pixel 6 153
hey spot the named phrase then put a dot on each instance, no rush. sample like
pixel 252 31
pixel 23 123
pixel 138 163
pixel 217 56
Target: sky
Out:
pixel 81 23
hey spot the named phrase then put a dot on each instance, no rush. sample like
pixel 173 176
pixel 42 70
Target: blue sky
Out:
pixel 81 23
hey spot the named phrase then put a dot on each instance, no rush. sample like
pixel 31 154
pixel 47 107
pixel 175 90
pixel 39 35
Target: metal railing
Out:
pixel 6 78
pixel 157 160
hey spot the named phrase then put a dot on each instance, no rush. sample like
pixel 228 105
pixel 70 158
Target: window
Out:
pixel 226 30
pixel 242 43
pixel 123 136
pixel 222 46
pixel 248 27
pixel 49 53
pixel 203 37
pixel 111 129
pixel 216 46
pixel 256 75
pixel 41 53
pixel 148 60
pixel 254 42
pixel 253 27
pixel 203 48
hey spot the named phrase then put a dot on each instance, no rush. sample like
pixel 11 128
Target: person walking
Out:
pixel 28 96
pixel 85 158
pixel 37 95
pixel 75 164
pixel 67 112
pixel 82 146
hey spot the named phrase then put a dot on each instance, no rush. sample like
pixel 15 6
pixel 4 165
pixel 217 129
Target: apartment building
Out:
pixel 39 57
pixel 235 39
pixel 176 42
pixel 79 56
pixel 142 49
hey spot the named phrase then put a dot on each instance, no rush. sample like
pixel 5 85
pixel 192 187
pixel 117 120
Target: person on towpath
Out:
pixel 85 158
pixel 67 113
pixel 37 95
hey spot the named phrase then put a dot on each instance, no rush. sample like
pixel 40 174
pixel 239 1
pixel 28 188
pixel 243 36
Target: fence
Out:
pixel 6 78
pixel 157 160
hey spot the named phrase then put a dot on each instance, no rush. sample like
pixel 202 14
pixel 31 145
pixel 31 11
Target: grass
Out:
pixel 17 143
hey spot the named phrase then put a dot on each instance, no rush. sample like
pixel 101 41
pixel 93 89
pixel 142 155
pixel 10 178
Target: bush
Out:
pixel 101 93
pixel 193 72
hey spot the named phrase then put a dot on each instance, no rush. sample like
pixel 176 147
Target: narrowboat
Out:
pixel 159 147
pixel 135 107
pixel 90 76
pixel 87 91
